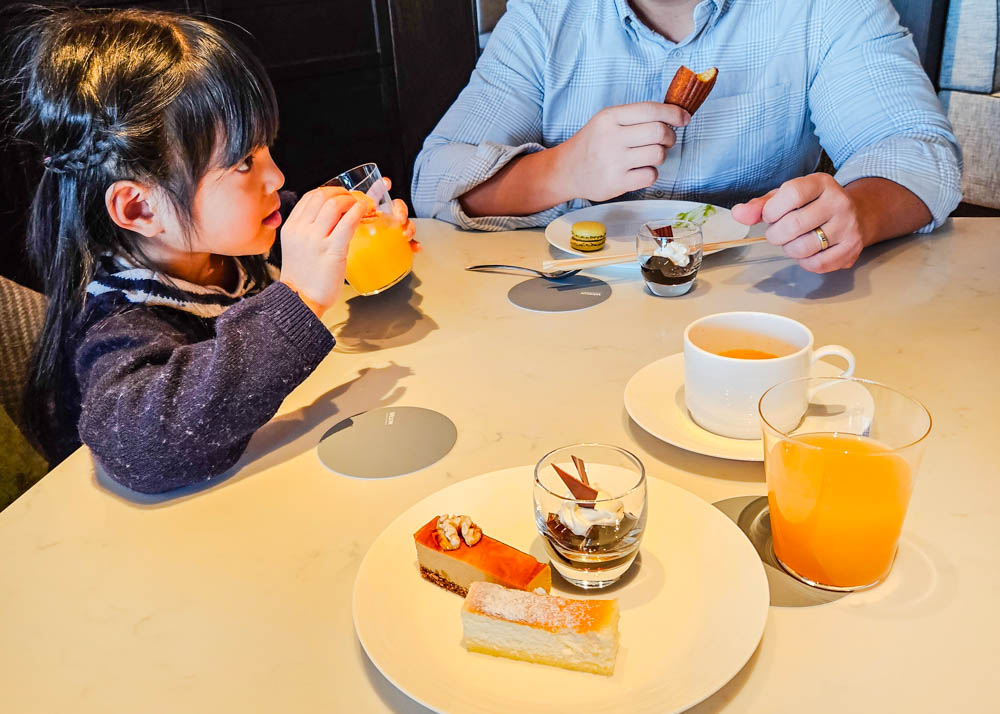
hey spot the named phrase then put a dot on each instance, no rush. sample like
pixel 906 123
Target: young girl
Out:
pixel 169 339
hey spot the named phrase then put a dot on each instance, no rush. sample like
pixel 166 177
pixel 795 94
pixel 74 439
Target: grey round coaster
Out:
pixel 750 513
pixel 387 442
pixel 576 292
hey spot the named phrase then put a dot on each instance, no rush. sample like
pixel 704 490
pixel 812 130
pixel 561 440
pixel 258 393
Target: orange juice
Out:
pixel 379 254
pixel 837 503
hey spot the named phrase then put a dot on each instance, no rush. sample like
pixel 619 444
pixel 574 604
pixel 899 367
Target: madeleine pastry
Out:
pixel 688 90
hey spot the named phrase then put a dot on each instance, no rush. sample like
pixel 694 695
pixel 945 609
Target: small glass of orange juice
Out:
pixel 379 255
pixel 840 457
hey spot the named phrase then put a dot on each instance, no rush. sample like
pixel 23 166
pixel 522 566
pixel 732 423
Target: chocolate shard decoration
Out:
pixel 580 490
pixel 662 232
pixel 581 469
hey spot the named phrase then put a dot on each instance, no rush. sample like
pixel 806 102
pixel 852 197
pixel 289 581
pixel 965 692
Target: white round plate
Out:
pixel 624 218
pixel 654 398
pixel 691 615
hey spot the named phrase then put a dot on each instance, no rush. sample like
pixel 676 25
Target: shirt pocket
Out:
pixel 738 145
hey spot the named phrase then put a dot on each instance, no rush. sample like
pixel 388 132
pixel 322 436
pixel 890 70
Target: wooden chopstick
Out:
pixel 588 262
pixel 720 244
pixel 598 260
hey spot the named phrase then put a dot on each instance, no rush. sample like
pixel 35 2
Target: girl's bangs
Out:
pixel 251 117
pixel 227 109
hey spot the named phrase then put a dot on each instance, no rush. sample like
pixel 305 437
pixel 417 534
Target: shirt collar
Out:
pixel 629 20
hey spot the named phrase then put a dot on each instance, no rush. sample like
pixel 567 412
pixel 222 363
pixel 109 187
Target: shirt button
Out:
pixel 659 194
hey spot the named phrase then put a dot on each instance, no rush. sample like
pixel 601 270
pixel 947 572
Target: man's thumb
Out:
pixel 750 212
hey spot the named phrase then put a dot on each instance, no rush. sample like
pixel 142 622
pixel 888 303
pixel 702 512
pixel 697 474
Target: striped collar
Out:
pixel 142 286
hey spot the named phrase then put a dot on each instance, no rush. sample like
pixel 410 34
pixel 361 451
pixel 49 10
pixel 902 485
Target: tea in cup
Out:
pixel 732 358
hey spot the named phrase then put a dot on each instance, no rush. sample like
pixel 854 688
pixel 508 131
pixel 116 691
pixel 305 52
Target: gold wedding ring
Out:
pixel 824 242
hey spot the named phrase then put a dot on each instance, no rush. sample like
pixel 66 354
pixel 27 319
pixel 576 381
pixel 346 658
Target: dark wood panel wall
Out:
pixel 357 81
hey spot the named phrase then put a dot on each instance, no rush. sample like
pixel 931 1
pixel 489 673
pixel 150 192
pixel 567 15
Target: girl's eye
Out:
pixel 245 165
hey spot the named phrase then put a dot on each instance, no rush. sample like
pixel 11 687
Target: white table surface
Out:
pixel 237 598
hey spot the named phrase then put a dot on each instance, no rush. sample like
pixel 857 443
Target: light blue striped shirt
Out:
pixel 794 75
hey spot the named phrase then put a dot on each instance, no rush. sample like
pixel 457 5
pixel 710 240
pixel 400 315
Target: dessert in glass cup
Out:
pixel 590 509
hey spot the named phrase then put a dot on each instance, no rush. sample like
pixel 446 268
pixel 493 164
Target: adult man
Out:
pixel 565 109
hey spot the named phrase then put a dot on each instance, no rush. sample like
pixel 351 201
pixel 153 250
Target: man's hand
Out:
pixel 619 149
pixel 801 205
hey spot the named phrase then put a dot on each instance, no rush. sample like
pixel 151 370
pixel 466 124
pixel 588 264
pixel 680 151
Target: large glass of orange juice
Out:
pixel 379 255
pixel 839 480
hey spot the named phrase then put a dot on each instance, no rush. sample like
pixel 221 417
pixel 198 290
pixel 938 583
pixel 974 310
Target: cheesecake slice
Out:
pixel 558 631
pixel 488 560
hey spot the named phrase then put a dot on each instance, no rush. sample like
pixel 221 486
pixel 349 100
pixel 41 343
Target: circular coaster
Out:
pixel 576 292
pixel 387 442
pixel 751 515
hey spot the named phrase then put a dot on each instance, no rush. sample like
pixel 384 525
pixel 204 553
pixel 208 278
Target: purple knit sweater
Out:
pixel 170 390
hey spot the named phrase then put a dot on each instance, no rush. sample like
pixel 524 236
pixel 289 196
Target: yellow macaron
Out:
pixel 587 236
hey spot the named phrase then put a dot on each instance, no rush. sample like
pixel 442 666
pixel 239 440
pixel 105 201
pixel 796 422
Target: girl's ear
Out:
pixel 134 207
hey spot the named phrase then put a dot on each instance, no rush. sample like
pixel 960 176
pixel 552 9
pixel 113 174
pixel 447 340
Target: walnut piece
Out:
pixel 471 533
pixel 447 530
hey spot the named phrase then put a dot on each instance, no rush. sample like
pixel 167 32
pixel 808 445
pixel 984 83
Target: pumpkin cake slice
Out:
pixel 447 558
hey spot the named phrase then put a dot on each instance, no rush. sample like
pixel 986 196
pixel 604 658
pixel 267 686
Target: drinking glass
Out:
pixel 592 543
pixel 379 255
pixel 839 478
pixel 669 263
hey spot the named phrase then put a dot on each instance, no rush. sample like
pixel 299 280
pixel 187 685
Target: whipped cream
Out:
pixel 606 512
pixel 675 252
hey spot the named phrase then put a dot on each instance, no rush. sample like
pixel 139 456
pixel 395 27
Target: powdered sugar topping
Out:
pixel 548 612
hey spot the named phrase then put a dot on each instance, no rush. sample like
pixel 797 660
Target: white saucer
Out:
pixel 654 398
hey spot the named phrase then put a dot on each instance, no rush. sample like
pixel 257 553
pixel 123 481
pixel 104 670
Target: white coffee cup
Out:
pixel 721 393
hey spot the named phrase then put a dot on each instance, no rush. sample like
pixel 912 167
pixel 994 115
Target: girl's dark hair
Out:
pixel 104 96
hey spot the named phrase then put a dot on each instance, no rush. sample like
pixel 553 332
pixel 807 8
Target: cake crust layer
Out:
pixel 443 582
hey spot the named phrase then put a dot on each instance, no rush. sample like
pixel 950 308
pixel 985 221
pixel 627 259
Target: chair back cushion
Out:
pixel 20 465
pixel 971 58
pixel 22 313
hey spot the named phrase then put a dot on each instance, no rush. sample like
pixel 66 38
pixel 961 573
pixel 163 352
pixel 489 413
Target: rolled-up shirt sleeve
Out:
pixel 497 117
pixel 875 110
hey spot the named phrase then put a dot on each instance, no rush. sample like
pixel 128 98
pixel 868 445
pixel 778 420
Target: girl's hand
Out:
pixel 401 213
pixel 314 243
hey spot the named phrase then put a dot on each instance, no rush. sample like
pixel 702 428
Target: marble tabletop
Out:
pixel 236 597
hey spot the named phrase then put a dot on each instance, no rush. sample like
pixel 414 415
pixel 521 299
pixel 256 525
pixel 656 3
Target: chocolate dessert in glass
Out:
pixel 669 254
pixel 590 509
